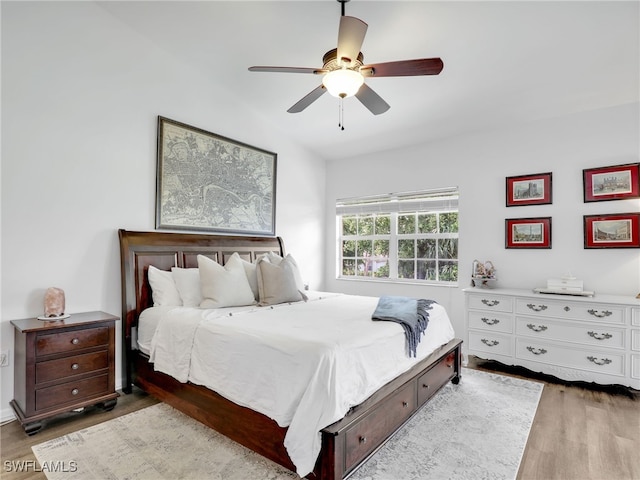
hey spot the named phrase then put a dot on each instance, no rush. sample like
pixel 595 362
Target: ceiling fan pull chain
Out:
pixel 341 114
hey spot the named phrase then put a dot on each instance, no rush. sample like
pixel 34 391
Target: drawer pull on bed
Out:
pixel 490 303
pixel 599 361
pixel 537 351
pixel 490 321
pixel 536 308
pixel 490 343
pixel 536 328
pixel 600 336
pixel 600 314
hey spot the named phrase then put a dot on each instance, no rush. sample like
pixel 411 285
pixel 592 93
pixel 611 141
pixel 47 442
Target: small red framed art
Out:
pixel 615 182
pixel 528 232
pixel 534 189
pixel 617 230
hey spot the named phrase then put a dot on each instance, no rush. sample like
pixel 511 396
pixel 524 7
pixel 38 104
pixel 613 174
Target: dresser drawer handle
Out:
pixel 405 404
pixel 362 439
pixel 566 309
pixel 489 343
pixel 600 314
pixel 75 391
pixel 599 361
pixel 75 366
pixel 537 351
pixel 536 308
pixel 490 303
pixel 600 336
pixel 536 328
pixel 490 321
pixel 75 341
pixel 424 385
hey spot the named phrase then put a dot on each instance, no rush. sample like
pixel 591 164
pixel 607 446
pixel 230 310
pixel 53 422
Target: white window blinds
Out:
pixel 439 200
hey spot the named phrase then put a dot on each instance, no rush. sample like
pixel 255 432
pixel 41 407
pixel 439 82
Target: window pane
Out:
pixel 348 267
pixel 406 224
pixel 348 248
pixel 363 267
pixel 448 248
pixel 426 270
pixel 365 226
pixel 405 269
pixel 448 271
pixel 383 225
pixel 364 248
pixel 406 249
pixel 349 226
pixel 381 267
pixel 427 223
pixel 449 222
pixel 426 248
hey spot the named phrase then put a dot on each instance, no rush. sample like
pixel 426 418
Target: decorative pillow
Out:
pixel 279 283
pixel 163 288
pixel 188 283
pixel 250 272
pixel 226 286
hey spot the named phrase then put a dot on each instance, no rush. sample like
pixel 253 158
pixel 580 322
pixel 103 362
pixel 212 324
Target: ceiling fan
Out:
pixel 344 70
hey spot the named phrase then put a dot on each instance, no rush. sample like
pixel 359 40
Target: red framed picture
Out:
pixel 528 232
pixel 534 189
pixel 616 182
pixel 617 230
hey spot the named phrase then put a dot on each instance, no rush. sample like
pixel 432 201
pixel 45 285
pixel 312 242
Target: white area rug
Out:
pixel 477 429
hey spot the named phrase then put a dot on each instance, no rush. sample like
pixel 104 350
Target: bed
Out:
pixel 345 443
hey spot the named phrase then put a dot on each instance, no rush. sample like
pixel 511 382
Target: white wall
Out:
pixel 80 98
pixel 478 165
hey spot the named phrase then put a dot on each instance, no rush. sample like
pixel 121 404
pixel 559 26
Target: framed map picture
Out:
pixel 209 182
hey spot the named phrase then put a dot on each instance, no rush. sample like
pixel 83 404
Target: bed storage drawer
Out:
pixel 367 434
pixel 430 382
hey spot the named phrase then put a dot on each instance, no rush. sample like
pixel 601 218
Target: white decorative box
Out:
pixel 565 284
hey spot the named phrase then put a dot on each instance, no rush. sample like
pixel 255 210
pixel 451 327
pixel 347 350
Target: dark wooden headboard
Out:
pixel 164 250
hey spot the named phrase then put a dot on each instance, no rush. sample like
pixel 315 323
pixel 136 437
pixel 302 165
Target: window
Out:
pixel 399 237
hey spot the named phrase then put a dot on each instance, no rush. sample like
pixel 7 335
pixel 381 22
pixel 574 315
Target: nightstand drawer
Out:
pixel 70 366
pixel 71 341
pixel 72 392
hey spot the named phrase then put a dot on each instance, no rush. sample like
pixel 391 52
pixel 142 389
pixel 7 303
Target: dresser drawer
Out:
pixel 576 311
pixel 365 435
pixel 71 341
pixel 491 321
pixel 544 328
pixel 70 366
pixel 490 342
pixel 497 303
pixel 600 361
pixel 72 392
pixel 430 382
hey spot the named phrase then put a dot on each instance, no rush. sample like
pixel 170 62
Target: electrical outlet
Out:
pixel 4 358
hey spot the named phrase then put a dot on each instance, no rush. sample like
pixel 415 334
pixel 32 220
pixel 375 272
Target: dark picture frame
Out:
pixel 615 182
pixel 532 189
pixel 212 183
pixel 616 230
pixel 532 232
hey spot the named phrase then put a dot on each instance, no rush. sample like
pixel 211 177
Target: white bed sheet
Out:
pixel 302 364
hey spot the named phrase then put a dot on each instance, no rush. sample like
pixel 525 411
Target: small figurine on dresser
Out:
pixel 483 274
pixel 54 304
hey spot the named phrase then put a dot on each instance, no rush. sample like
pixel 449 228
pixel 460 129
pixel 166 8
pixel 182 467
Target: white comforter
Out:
pixel 302 364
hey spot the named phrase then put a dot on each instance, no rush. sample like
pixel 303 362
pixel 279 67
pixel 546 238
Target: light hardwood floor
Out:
pixel 579 432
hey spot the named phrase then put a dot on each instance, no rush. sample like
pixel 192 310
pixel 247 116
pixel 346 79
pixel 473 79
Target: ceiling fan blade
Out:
pixel 308 99
pixel 317 71
pixel 350 37
pixel 372 100
pixel 404 68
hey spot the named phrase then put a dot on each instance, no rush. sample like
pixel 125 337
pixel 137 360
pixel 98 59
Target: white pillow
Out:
pixel 226 286
pixel 188 283
pixel 163 288
pixel 279 283
pixel 250 272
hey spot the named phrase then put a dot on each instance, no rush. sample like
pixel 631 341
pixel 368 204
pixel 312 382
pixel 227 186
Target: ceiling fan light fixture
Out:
pixel 343 83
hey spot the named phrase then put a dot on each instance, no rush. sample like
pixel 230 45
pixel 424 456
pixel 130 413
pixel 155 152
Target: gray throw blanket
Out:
pixel 411 313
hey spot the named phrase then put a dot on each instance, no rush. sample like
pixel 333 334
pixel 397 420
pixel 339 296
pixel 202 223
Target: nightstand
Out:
pixel 62 366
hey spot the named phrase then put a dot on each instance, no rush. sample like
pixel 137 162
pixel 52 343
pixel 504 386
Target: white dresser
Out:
pixel 592 339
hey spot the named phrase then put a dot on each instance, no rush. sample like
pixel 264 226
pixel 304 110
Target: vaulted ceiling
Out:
pixel 505 62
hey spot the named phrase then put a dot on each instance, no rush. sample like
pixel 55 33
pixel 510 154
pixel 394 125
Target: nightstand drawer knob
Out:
pixel 75 391
pixel 75 341
pixel 75 366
